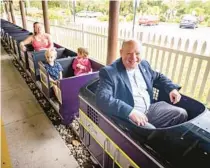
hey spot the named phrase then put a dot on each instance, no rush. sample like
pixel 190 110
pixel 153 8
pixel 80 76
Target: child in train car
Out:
pixel 81 64
pixel 53 68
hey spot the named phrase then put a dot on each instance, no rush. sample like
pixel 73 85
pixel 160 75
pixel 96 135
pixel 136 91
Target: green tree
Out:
pixel 206 7
pixel 143 7
pixel 126 7
pixel 35 4
pixel 156 10
pixel 199 11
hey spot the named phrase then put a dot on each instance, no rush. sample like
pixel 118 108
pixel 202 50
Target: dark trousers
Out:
pixel 163 114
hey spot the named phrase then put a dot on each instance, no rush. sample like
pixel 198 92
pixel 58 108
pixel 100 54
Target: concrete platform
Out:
pixel 32 140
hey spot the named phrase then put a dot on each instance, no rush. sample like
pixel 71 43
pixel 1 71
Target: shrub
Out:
pixel 177 20
pixel 207 18
pixel 55 14
pixel 103 18
pixel 129 17
pixel 162 18
pixel 208 23
pixel 57 17
pixel 35 15
pixel 121 18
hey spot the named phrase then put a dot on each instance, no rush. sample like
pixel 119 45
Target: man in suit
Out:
pixel 126 91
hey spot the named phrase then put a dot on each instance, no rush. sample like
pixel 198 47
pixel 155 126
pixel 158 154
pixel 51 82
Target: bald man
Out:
pixel 126 91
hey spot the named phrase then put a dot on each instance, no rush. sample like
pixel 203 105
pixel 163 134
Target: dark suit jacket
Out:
pixel 114 94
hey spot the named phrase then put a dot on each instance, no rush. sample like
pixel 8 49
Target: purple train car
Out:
pixel 24 56
pixel 16 43
pixel 11 35
pixel 15 39
pixel 7 31
pixel 69 87
pixel 115 142
pixel 13 31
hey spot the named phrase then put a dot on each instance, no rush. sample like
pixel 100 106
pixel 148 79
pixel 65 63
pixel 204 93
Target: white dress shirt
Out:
pixel 139 90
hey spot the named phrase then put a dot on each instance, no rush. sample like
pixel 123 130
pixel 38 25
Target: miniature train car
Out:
pixel 6 31
pixel 15 39
pixel 69 87
pixel 9 31
pixel 16 44
pixel 120 143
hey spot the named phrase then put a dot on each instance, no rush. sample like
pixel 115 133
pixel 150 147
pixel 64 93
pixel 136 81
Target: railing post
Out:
pixel 141 37
pixel 83 35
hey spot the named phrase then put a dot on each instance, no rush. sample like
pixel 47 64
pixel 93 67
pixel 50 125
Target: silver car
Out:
pixel 189 21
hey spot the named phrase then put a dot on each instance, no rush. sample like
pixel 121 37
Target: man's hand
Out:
pixel 174 96
pixel 139 118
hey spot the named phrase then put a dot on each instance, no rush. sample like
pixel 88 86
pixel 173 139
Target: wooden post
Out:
pixel 7 11
pixel 113 31
pixel 12 12
pixel 23 14
pixel 45 16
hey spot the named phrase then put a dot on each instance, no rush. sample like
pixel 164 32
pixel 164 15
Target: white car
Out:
pixel 90 14
pixel 94 14
pixel 81 14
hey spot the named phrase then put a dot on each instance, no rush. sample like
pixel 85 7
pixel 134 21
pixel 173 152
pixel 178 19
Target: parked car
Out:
pixel 189 21
pixel 94 14
pixel 149 20
pixel 90 14
pixel 81 14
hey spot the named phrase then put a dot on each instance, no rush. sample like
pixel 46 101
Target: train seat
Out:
pixel 24 56
pixel 66 64
pixel 16 43
pixel 15 39
pixel 35 57
pixel 193 107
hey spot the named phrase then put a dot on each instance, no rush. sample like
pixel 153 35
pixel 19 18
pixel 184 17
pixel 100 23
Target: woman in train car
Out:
pixel 54 69
pixel 81 64
pixel 39 40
